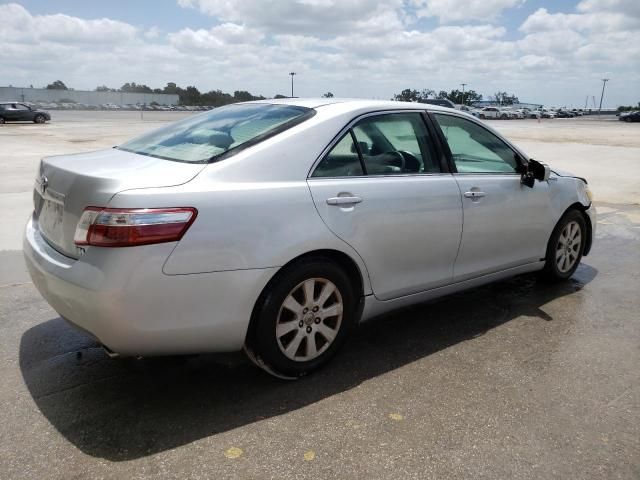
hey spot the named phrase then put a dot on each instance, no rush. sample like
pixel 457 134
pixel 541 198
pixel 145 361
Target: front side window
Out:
pixel 475 149
pixel 387 144
pixel 396 143
pixel 207 137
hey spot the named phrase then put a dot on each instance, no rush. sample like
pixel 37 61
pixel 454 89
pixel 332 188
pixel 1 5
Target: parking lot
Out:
pixel 517 379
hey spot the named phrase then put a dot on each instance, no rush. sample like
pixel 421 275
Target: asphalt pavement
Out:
pixel 514 380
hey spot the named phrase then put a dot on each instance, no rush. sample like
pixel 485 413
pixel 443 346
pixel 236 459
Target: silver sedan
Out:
pixel 276 226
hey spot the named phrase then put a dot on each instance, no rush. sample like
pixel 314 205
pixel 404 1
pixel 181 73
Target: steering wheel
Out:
pixel 410 161
pixel 399 156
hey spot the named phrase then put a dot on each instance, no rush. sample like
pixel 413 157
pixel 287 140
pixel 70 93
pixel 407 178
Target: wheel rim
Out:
pixel 309 319
pixel 568 247
pixel 39 119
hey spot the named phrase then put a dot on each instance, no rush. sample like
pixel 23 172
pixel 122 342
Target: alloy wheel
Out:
pixel 309 319
pixel 568 247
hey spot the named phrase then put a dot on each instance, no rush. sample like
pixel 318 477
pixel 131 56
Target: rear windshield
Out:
pixel 218 133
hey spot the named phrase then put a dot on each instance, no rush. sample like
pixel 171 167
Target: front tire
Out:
pixel 39 119
pixel 303 317
pixel 565 247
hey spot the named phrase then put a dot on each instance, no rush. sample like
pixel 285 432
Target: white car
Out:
pixel 276 226
pixel 493 112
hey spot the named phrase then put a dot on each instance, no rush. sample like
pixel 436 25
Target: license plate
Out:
pixel 51 217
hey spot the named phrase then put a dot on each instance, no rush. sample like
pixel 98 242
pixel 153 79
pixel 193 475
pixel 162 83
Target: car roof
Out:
pixel 352 104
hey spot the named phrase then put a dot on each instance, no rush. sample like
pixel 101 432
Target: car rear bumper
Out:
pixel 122 298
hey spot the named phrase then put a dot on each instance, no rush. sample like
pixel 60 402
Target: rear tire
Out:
pixel 303 317
pixel 1 120
pixel 39 119
pixel 565 247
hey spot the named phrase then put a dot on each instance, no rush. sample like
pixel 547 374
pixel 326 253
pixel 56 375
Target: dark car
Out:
pixel 442 102
pixel 19 112
pixel 564 114
pixel 630 116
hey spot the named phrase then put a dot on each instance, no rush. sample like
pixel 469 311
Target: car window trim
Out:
pixel 435 132
pixel 445 144
pixel 349 128
pixel 354 139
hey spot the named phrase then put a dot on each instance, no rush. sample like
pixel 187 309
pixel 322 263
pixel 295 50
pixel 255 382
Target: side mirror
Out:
pixel 540 170
pixel 533 171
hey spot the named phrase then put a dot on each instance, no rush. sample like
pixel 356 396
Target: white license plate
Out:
pixel 51 217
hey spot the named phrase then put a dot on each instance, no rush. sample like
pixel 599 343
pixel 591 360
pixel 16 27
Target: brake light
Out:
pixel 127 227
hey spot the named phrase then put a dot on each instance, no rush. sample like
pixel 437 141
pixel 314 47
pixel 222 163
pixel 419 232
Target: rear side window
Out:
pixel 213 135
pixel 386 144
pixel 342 161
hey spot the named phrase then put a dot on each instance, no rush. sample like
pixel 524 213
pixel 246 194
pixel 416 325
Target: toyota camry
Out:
pixel 277 226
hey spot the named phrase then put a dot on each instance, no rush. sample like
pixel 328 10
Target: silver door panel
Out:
pixel 406 228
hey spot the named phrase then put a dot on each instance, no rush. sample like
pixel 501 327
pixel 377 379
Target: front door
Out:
pixel 381 189
pixel 506 224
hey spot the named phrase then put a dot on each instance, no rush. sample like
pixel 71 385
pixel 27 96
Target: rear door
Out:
pixel 381 188
pixel 506 224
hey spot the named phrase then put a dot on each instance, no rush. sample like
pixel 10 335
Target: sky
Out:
pixel 553 52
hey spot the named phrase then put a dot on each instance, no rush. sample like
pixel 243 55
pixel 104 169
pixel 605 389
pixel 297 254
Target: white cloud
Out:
pixel 19 25
pixel 152 33
pixel 350 47
pixel 220 37
pixel 602 21
pixel 320 17
pixel 463 10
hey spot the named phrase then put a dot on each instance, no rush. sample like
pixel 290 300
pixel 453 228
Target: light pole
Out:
pixel 292 74
pixel 604 82
pixel 463 85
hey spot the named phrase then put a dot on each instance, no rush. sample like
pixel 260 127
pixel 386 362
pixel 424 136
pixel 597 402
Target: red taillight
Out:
pixel 127 227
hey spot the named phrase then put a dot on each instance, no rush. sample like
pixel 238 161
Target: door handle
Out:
pixel 474 194
pixel 343 200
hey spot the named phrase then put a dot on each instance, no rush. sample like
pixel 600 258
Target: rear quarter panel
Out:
pixel 242 226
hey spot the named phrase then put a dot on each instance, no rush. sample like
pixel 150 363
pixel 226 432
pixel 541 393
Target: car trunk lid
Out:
pixel 67 184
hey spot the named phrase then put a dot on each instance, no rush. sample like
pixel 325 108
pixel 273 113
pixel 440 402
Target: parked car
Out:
pixel 20 112
pixel 492 112
pixel 277 226
pixel 514 113
pixel 442 102
pixel 564 114
pixel 536 114
pixel 630 116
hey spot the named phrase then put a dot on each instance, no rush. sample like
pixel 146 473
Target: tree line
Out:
pixel 187 96
pixel 456 96
pixel 192 96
